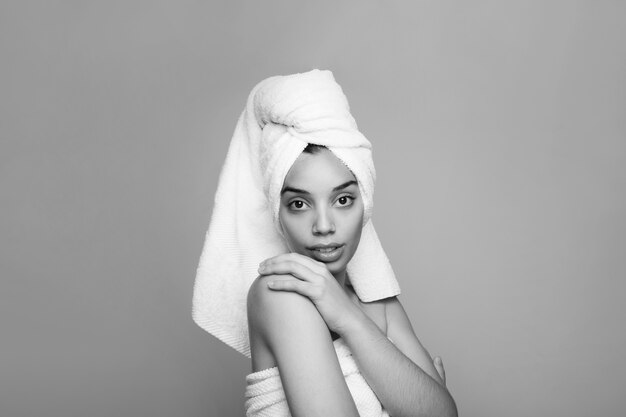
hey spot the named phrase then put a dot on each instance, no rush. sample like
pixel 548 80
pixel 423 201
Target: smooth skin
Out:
pixel 298 298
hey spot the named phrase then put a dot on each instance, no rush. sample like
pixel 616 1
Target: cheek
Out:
pixel 356 232
pixel 354 224
pixel 292 228
pixel 358 216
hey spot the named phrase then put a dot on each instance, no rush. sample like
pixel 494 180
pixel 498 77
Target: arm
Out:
pixel 401 385
pixel 299 340
pixel 406 382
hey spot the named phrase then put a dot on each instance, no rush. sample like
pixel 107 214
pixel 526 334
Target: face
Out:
pixel 321 211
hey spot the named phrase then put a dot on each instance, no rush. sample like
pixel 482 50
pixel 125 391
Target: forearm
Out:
pixel 402 387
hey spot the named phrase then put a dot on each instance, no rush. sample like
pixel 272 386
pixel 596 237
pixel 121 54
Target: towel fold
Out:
pixel 282 116
pixel 265 396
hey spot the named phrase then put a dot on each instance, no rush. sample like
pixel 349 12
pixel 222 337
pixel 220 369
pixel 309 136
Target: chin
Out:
pixel 335 269
pixel 338 266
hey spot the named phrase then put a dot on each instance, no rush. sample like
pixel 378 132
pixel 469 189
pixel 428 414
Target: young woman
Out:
pixel 302 295
pixel 319 317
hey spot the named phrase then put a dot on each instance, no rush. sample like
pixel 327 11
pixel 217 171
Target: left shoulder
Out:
pixel 398 322
pixel 402 335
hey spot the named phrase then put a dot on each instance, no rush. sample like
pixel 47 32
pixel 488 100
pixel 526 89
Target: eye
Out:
pixel 297 205
pixel 345 200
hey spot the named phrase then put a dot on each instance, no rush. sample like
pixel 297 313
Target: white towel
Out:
pixel 282 115
pixel 265 396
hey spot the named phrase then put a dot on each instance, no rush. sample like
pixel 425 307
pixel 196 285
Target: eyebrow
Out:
pixel 297 190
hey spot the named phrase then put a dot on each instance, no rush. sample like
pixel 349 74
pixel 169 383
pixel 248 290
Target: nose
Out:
pixel 324 223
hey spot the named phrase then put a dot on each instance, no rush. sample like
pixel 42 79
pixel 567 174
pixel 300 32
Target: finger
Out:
pixel 296 257
pixel 316 266
pixel 440 370
pixel 294 268
pixel 294 285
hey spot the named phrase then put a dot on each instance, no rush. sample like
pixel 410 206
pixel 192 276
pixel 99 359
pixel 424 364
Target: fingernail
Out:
pixel 438 359
pixel 261 268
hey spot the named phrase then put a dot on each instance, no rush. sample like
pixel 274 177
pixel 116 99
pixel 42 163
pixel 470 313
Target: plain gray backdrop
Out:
pixel 499 138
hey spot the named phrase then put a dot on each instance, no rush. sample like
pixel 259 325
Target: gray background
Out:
pixel 499 133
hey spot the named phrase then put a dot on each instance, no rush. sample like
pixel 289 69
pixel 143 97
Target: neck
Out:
pixel 342 278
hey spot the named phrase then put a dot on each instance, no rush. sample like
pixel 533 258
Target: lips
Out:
pixel 327 253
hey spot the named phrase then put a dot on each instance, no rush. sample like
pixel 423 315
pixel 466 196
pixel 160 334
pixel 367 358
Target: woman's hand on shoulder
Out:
pixel 269 311
pixel 310 278
pixel 298 338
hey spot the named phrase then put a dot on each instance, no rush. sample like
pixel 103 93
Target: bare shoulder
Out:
pixel 399 327
pixel 401 332
pixel 276 314
pixel 397 319
pixel 300 342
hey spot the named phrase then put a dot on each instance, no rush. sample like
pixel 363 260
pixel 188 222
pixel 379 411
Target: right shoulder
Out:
pixel 277 315
pixel 299 340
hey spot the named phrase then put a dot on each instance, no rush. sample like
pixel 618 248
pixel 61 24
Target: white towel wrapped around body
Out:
pixel 282 116
pixel 265 396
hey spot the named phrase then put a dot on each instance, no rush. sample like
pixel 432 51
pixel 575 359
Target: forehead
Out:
pixel 318 171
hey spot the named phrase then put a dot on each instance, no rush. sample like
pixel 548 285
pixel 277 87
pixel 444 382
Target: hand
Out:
pixel 312 279
pixel 439 367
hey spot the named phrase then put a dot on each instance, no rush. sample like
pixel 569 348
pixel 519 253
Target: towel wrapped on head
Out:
pixel 282 116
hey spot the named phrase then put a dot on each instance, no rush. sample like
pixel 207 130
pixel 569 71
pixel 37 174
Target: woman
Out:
pixel 326 332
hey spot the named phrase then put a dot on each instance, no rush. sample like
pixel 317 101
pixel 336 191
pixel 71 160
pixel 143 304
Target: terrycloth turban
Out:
pixel 282 116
